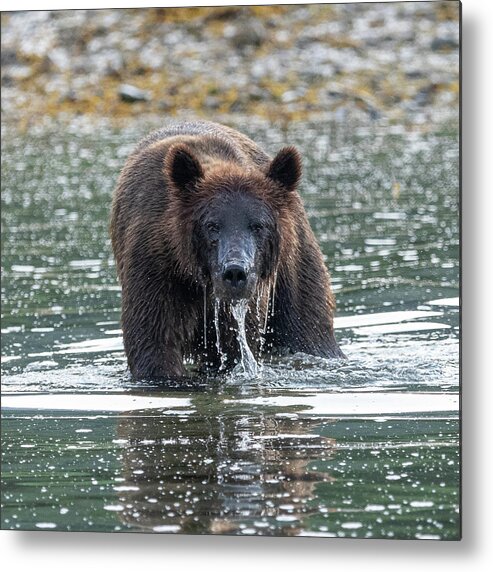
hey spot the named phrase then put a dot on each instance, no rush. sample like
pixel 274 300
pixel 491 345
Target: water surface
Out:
pixel 367 447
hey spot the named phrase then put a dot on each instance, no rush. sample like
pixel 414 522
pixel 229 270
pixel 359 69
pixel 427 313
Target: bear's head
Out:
pixel 233 218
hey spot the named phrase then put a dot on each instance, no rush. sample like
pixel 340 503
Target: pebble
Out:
pixel 444 44
pixel 130 93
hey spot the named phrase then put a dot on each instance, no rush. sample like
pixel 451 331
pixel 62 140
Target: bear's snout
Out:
pixel 236 279
pixel 235 276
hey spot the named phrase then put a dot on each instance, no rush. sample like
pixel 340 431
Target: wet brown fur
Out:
pixel 162 282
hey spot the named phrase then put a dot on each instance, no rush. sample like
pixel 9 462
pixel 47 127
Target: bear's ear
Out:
pixel 182 167
pixel 286 168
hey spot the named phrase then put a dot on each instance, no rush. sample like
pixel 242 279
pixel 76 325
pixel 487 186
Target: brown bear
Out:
pixel 204 221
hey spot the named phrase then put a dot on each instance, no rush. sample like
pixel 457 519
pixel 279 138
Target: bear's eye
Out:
pixel 256 227
pixel 212 226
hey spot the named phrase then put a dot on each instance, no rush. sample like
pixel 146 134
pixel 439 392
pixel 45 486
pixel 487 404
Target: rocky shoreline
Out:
pixel 393 62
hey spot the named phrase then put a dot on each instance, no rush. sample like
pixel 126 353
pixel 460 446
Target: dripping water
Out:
pixel 260 296
pixel 264 309
pixel 263 300
pixel 269 306
pixel 248 361
pixel 272 293
pixel 205 318
pixel 261 332
pixel 266 317
pixel 223 357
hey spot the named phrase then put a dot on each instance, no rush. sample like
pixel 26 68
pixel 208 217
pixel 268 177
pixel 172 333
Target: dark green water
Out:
pixel 367 447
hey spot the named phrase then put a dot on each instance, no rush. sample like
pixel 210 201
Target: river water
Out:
pixel 366 447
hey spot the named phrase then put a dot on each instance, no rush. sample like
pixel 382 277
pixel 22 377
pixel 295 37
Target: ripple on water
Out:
pixel 385 350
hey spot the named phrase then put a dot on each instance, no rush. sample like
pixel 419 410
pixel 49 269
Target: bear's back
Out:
pixel 210 131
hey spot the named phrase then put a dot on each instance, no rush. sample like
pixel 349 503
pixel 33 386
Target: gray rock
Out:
pixel 444 44
pixel 164 106
pixel 131 94
pixel 256 93
pixel 7 81
pixel 68 96
pixel 8 57
pixel 246 33
pixel 425 95
pixel 212 102
pixel 415 74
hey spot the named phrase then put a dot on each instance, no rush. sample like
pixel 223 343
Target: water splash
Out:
pixel 248 361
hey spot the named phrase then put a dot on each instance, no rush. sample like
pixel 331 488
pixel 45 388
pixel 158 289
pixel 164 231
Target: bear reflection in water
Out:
pixel 218 475
pixel 204 224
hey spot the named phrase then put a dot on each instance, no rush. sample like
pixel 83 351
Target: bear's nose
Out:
pixel 235 276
